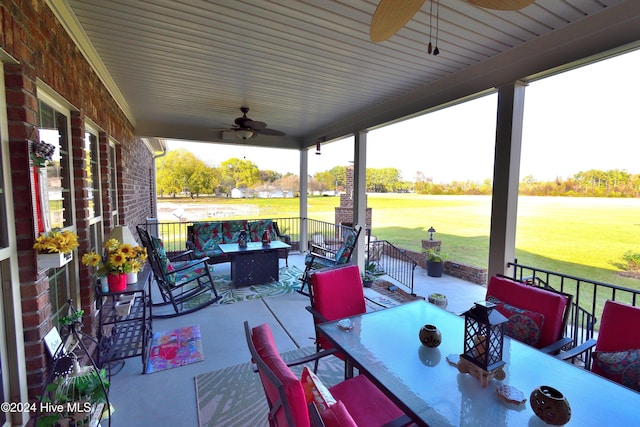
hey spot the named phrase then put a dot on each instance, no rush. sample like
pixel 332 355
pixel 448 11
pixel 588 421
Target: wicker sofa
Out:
pixel 205 237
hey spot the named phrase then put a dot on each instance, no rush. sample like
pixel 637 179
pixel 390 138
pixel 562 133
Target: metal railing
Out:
pixel 389 259
pixel 589 297
pixel 392 261
pixel 174 234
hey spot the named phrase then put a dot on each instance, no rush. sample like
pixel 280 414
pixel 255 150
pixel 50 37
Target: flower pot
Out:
pixel 117 282
pixel 435 269
pixel 132 278
pixel 54 260
pixel 438 300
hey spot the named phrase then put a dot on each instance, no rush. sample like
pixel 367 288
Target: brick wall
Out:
pixel 32 35
pixel 452 268
pixel 344 213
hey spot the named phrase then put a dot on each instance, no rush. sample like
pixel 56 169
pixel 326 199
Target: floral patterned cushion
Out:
pixel 231 230
pixel 315 391
pixel 162 254
pixel 523 325
pixel 207 236
pixel 622 367
pixel 257 229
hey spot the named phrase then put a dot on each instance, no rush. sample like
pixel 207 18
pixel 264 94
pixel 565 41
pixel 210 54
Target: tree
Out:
pixel 175 172
pixel 236 173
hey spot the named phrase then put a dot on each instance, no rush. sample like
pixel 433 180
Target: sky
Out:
pixel 587 118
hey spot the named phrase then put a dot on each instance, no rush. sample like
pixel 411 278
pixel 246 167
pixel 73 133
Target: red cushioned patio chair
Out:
pixel 616 355
pixel 335 294
pixel 359 402
pixel 537 316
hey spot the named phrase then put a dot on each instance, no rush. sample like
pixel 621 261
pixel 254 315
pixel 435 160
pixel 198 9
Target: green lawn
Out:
pixel 583 237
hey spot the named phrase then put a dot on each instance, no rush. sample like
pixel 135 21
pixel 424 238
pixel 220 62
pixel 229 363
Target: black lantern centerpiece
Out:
pixel 483 343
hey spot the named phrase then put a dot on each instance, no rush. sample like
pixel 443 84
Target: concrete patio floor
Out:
pixel 168 398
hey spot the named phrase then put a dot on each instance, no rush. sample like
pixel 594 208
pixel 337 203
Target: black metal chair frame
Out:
pixel 328 256
pixel 178 293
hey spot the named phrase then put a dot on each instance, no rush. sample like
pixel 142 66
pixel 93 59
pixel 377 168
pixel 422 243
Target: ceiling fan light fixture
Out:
pixel 244 133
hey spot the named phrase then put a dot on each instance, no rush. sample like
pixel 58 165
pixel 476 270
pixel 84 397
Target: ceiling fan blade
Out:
pixel 502 4
pixel 390 16
pixel 270 132
pixel 255 124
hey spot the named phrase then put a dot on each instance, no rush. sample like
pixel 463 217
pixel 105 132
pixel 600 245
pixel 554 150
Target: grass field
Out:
pixel 583 237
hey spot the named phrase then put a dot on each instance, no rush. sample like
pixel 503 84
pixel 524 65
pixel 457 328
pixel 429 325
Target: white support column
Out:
pixel 360 194
pixel 506 174
pixel 304 198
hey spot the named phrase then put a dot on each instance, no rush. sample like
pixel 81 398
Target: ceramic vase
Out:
pixel 132 278
pixel 550 405
pixel 430 336
pixel 117 282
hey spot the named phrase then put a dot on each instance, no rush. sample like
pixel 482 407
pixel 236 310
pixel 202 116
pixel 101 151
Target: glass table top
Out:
pixel 385 344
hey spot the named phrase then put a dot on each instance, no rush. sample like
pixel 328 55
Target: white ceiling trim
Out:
pixel 70 23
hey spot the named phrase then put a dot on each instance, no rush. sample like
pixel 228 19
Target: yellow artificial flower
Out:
pixel 56 241
pixel 117 259
pixel 91 259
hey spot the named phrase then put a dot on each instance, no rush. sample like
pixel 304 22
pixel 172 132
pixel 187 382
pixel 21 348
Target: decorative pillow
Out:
pixel 622 367
pixel 523 325
pixel 315 391
pixel 337 415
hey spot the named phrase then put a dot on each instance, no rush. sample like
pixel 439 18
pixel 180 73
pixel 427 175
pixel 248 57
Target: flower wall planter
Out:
pixel 54 260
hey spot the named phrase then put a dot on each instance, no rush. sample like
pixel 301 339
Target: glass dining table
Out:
pixel 384 345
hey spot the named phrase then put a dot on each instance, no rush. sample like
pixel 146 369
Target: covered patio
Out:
pixel 168 398
pixel 115 80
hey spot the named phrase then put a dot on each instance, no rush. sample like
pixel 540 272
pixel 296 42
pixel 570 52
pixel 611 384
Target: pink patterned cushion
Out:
pixel 315 391
pixel 550 304
pixel 523 325
pixel 622 367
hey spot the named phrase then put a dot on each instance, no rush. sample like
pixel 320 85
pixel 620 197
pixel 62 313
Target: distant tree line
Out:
pixel 592 183
pixel 180 172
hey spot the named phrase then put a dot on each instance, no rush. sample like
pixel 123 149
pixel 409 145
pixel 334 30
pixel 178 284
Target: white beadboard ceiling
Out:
pixel 180 68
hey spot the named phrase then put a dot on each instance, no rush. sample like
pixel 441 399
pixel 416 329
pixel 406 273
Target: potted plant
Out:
pixel 117 260
pixel 55 248
pixel 367 279
pixel 368 275
pixel 439 300
pixel 435 263
pixel 76 396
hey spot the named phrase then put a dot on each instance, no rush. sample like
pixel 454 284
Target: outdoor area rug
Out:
pixel 287 284
pixel 175 348
pixel 234 396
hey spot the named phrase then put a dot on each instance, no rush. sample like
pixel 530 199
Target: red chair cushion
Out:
pixel 366 404
pixel 337 293
pixel 266 348
pixel 620 366
pixel 615 335
pixel 337 416
pixel 550 304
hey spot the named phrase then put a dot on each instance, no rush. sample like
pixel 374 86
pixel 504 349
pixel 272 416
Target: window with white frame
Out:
pixel 113 185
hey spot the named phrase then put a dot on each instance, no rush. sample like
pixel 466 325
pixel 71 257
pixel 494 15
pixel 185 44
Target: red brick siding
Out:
pixel 32 35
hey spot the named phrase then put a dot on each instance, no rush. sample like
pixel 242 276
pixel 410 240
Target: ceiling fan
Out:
pixel 390 17
pixel 246 128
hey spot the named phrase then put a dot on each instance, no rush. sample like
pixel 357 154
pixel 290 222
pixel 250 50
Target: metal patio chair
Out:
pixel 185 285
